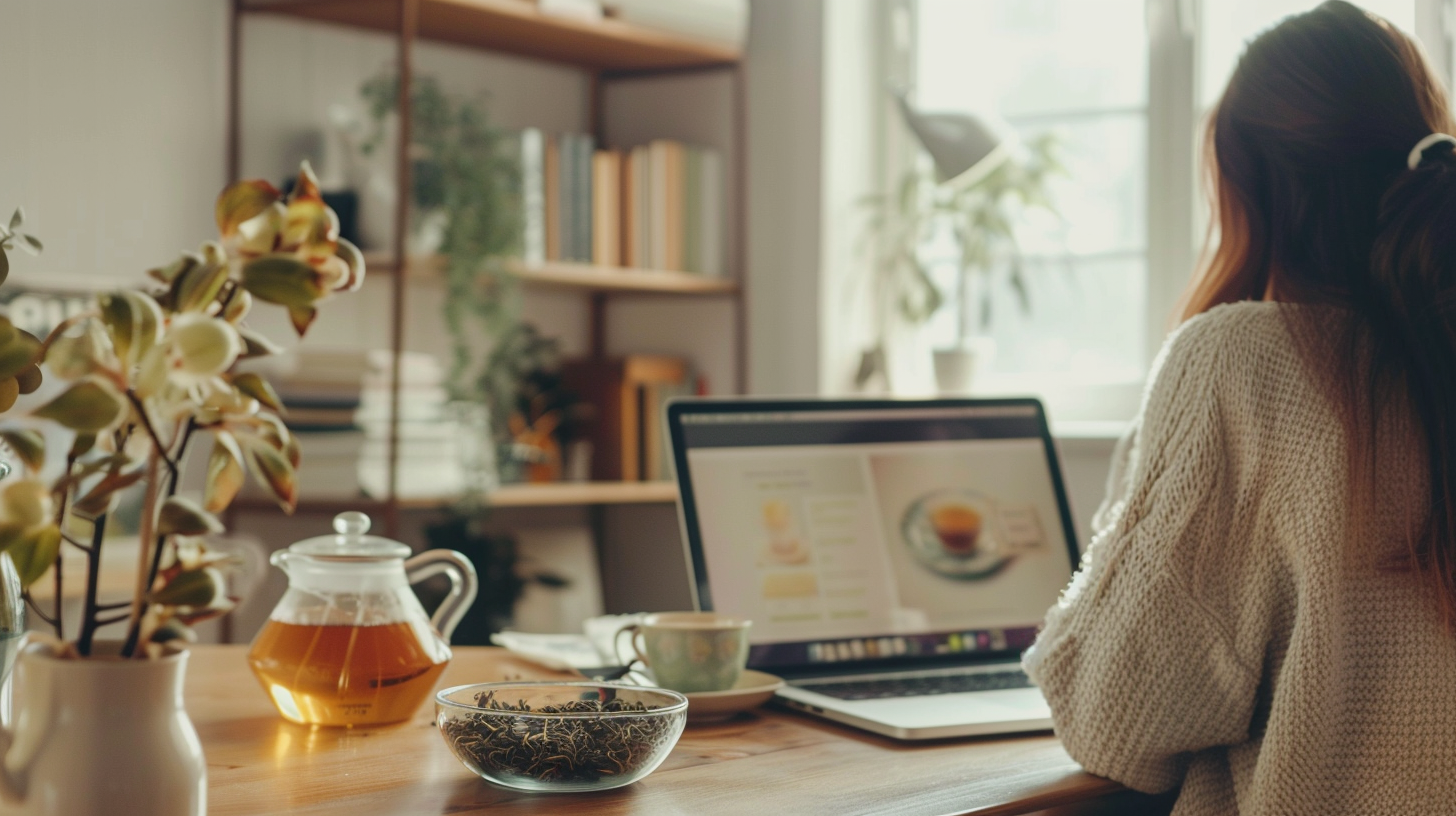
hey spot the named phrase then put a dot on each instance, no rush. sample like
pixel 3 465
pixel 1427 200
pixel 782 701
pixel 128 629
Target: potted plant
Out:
pixel 979 219
pixel 100 726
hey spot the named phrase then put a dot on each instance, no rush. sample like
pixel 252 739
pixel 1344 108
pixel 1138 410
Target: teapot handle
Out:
pixel 463 585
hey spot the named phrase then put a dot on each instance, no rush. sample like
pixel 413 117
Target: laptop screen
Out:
pixel 858 532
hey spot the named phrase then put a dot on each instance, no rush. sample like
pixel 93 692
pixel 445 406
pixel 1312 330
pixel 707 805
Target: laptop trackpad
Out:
pixel 929 711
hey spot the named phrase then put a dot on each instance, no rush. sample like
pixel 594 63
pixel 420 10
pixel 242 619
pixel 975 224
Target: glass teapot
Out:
pixel 349 643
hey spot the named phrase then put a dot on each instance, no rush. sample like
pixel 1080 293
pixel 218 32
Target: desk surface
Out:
pixel 258 763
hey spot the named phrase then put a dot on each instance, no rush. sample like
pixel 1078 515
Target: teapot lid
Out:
pixel 350 541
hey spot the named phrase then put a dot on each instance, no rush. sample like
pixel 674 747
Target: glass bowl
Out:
pixel 560 737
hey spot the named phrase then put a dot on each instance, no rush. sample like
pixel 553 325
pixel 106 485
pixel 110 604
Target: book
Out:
pixel 533 196
pixel 585 148
pixel 606 208
pixel 711 208
pixel 551 192
pixel 692 210
pixel 657 203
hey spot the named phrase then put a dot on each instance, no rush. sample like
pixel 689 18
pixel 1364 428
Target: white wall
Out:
pixel 112 124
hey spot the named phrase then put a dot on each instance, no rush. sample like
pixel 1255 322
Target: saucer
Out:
pixel 753 689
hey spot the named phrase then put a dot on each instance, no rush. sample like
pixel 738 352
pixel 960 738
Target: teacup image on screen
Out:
pixel 958 527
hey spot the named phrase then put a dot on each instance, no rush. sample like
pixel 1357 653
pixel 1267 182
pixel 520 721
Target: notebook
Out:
pixel 895 557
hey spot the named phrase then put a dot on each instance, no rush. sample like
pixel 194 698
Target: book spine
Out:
pixel 551 178
pixel 585 147
pixel 712 209
pixel 692 217
pixel 533 201
pixel 658 202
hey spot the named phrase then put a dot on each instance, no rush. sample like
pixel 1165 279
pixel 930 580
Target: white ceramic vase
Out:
pixel 100 737
pixel 955 368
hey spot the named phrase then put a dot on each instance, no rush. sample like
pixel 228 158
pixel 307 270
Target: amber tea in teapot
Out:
pixel 349 643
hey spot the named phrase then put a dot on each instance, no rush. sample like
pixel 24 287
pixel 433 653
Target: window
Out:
pixel 1124 84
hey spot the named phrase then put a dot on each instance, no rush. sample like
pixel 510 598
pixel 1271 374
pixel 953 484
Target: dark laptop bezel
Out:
pixel 688 515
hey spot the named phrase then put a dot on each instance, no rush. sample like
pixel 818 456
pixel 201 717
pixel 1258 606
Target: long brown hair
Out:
pixel 1315 205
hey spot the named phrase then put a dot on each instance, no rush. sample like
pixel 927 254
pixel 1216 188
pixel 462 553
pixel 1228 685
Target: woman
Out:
pixel 1266 614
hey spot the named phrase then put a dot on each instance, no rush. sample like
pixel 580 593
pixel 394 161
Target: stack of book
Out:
pixel 656 206
pixel 321 392
pixel 428 463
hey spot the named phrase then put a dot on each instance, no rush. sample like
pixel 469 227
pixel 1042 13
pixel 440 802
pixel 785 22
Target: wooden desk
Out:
pixel 770 762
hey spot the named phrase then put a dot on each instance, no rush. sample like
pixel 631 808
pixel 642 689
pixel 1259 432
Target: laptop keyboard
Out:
pixel 920 686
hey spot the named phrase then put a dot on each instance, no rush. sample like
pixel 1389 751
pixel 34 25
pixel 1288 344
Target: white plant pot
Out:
pixel 100 736
pixel 955 368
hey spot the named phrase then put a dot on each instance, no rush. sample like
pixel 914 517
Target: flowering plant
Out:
pixel 144 372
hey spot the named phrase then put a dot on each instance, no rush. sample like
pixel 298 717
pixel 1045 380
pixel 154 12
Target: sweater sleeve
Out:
pixel 1140 665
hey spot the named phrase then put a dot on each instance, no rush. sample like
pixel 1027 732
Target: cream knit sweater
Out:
pixel 1221 633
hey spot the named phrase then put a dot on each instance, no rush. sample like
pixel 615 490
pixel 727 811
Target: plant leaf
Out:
pixel 28 445
pixel 17 219
pixel 241 202
pixel 29 379
pixel 32 244
pixel 18 354
pixel 9 393
pixel 258 388
pixel 4 265
pixel 100 499
pixel 180 516
pixel 34 551
pixel 224 473
pixel 282 279
pixel 273 471
pixel 197 287
pixel 82 445
pixel 256 345
pixel 198 587
pixel 302 317
pixel 354 260
pixel 85 406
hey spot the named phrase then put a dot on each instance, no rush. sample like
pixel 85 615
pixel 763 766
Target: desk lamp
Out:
pixel 964 147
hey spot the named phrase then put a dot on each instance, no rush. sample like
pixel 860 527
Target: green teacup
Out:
pixel 691 651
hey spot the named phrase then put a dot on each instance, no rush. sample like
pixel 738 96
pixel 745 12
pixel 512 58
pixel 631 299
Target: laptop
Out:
pixel 895 556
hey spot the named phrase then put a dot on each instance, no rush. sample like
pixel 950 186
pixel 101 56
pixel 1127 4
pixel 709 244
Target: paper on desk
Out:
pixel 583 651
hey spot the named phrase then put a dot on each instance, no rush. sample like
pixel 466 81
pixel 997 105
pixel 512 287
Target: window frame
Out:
pixel 1176 207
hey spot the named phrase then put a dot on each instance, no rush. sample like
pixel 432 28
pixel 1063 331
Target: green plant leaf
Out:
pixel 354 260
pixel 102 497
pixel 17 219
pixel 282 279
pixel 85 406
pixel 4 265
pixel 34 551
pixel 258 388
pixel 273 471
pixel 29 379
pixel 256 345
pixel 82 445
pixel 241 202
pixel 181 516
pixel 224 473
pixel 9 393
pixel 302 317
pixel 28 445
pixel 197 287
pixel 32 244
pixel 18 354
pixel 198 587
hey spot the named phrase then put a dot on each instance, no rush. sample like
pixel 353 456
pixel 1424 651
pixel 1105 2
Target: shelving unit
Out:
pixel 607 50
pixel 559 494
pixel 585 277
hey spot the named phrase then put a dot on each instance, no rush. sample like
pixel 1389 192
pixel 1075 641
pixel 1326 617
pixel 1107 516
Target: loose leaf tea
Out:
pixel 570 749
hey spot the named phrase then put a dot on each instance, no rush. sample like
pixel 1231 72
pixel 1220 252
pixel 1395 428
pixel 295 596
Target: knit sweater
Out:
pixel 1225 631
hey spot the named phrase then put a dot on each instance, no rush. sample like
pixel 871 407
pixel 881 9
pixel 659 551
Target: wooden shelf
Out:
pixel 557 494
pixel 518 27
pixel 585 277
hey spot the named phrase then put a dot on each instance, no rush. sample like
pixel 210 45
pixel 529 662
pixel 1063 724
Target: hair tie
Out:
pixel 1418 152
